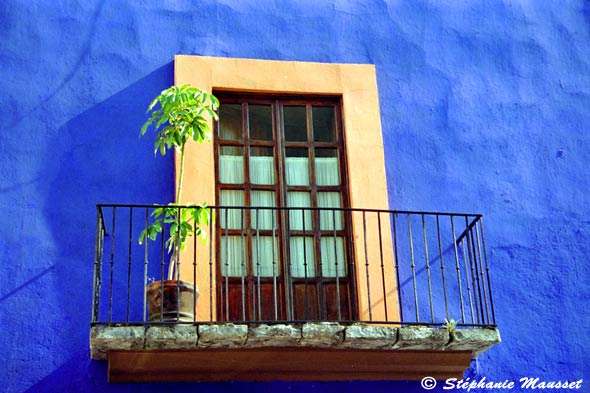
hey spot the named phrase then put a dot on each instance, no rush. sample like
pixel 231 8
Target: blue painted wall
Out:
pixel 485 107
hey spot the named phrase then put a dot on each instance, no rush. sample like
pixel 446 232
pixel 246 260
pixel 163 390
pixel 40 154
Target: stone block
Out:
pixel 222 335
pixel 322 334
pixel 475 340
pixel 273 336
pixel 369 337
pixel 422 338
pixel 115 338
pixel 171 337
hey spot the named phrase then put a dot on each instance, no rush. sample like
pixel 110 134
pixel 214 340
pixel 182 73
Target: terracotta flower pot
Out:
pixel 179 301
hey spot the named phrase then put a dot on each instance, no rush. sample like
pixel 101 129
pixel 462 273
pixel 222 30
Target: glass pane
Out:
pixel 262 170
pixel 264 257
pixel 297 167
pixel 324 129
pixel 263 218
pixel 260 122
pixel 231 218
pixel 297 216
pixel 231 165
pixel 330 217
pixel 230 122
pixel 327 168
pixel 233 251
pixel 295 124
pixel 333 257
pixel 302 256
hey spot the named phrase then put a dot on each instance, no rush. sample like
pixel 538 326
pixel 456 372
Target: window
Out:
pixel 358 109
pixel 272 152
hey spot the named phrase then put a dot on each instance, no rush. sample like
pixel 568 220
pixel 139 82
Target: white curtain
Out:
pixel 298 216
pixel 302 256
pixel 326 171
pixel 297 171
pixel 333 256
pixel 233 258
pixel 231 169
pixel 262 170
pixel 264 251
pixel 330 219
pixel 263 218
pixel 264 256
pixel 231 218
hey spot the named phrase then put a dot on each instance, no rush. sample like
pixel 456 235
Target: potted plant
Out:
pixel 177 114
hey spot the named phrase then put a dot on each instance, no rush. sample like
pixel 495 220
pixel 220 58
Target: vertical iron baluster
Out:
pixel 382 265
pixel 257 229
pixel 243 264
pixel 290 292
pixel 367 266
pixel 442 267
pixel 274 263
pixel 351 303
pixel 195 268
pixel 483 245
pixel 474 274
pixel 305 266
pixel 457 267
pixel 320 295
pixel 177 261
pixel 475 286
pixel 413 265
pixel 129 265
pixel 467 281
pixel 145 265
pixel 112 264
pixel 336 266
pixel 212 213
pixel 227 273
pixel 97 263
pixel 427 269
pixel 481 273
pixel 396 266
pixel 162 263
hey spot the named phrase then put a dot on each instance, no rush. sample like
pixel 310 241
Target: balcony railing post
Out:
pixel 483 244
pixel 481 277
pixel 442 267
pixel 396 266
pixel 213 212
pixel 458 269
pixel 367 266
pixel 413 266
pixel 382 266
pixel 145 265
pixel 99 239
pixel 112 264
pixel 243 263
pixel 129 265
pixel 427 259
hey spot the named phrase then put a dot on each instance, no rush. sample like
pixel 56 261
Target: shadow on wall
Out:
pixel 98 158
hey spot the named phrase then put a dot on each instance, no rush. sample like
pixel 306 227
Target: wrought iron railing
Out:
pixel 319 264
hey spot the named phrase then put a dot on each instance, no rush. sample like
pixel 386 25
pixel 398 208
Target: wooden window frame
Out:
pixel 357 85
pixel 285 287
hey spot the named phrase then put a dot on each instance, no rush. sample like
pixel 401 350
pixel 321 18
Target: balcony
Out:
pixel 298 294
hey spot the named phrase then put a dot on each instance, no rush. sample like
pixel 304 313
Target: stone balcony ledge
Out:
pixel 104 339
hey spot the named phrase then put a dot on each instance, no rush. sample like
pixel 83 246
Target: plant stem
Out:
pixel 180 175
pixel 175 261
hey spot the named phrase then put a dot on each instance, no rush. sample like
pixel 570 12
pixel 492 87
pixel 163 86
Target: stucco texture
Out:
pixel 485 107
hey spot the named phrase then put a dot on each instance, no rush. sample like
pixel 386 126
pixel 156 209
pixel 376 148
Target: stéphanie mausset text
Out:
pixel 523 383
